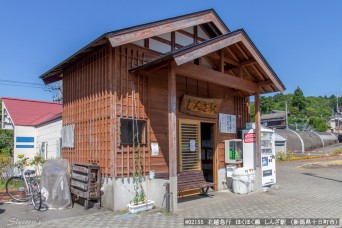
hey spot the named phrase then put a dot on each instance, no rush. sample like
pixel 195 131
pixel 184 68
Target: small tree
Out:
pixel 298 100
pixel 139 192
pixel 37 162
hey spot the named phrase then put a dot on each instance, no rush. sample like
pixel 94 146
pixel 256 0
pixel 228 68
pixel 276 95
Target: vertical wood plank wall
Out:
pixel 158 112
pixel 98 92
pixel 231 104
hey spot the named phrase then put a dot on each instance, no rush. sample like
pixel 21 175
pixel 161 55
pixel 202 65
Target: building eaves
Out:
pixel 56 72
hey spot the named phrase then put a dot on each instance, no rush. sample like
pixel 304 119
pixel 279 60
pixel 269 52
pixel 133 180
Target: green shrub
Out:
pixel 282 156
pixel 5 161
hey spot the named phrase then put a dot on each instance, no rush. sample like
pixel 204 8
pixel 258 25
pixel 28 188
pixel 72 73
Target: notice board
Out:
pixel 227 123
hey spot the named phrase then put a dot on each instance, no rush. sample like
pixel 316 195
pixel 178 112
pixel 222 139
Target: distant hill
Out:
pixel 304 111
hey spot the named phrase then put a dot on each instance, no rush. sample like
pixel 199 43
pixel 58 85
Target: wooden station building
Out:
pixel 173 78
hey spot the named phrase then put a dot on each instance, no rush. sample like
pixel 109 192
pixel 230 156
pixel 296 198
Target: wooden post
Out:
pixel 221 61
pixel 173 41
pixel 258 174
pixel 257 129
pixel 172 136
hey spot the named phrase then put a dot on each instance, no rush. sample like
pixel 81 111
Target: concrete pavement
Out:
pixel 302 193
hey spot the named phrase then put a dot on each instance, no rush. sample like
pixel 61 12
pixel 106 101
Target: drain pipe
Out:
pixel 167 196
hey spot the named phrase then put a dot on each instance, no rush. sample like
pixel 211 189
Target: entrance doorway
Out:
pixel 207 150
pixel 197 148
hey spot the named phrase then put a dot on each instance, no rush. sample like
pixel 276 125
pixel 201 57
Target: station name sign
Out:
pixel 203 107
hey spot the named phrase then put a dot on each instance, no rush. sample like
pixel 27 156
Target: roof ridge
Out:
pixel 127 29
pixel 107 35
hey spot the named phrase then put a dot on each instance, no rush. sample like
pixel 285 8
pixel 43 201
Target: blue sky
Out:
pixel 301 40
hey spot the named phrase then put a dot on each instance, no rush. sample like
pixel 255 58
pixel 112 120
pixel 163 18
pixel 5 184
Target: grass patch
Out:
pixel 3 184
pixel 338 151
pixel 324 164
pixel 293 158
pixel 306 157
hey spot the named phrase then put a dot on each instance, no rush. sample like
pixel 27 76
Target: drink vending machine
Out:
pixel 268 166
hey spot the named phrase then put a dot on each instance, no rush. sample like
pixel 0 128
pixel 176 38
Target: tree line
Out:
pixel 309 111
pixel 6 138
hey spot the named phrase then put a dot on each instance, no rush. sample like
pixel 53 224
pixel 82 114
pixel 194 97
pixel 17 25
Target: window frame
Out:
pixel 142 124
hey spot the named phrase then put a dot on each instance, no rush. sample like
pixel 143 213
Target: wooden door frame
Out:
pixel 215 149
pixel 190 121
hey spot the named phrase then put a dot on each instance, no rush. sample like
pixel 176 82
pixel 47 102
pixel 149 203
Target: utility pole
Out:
pixel 286 120
pixel 337 110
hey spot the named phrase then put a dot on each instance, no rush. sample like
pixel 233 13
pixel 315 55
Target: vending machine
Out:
pixel 268 166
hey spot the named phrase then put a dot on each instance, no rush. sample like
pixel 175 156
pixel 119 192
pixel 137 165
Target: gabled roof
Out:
pixel 30 112
pixel 194 51
pixel 128 35
pixel 274 115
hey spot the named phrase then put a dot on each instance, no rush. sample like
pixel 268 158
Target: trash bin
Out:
pixel 229 177
pixel 241 181
pixel 56 184
pixel 252 179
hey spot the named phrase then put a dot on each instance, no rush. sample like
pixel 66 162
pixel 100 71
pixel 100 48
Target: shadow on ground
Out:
pixel 315 175
pixel 195 197
pixel 2 210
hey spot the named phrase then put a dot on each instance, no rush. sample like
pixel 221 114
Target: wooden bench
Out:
pixel 192 180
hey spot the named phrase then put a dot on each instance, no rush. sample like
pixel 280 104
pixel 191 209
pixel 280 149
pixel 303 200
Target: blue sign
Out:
pixel 24 142
pixel 264 161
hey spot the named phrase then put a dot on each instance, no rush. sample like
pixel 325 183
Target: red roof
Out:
pixel 31 113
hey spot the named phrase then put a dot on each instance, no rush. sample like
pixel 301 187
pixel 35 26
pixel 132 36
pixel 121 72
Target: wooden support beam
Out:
pixel 201 73
pixel 242 51
pixel 195 34
pixel 172 119
pixel 221 61
pixel 262 64
pixel 188 34
pixel 214 55
pixel 147 43
pixel 240 73
pixel 164 41
pixel 261 77
pixel 194 54
pixel 265 83
pixel 257 129
pixel 163 27
pixel 232 54
pixel 173 41
pixel 244 63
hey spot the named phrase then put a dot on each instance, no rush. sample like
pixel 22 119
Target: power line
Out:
pixel 30 86
pixel 20 82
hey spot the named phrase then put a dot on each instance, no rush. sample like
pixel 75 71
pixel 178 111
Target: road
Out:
pixel 302 192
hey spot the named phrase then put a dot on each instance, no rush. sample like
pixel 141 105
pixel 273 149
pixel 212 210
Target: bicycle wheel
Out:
pixel 36 194
pixel 17 190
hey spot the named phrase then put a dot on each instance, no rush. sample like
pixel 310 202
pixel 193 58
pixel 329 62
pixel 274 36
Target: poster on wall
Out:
pixel 192 145
pixel 227 123
pixel 154 149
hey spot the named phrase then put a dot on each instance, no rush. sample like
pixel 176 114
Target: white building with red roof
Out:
pixel 36 124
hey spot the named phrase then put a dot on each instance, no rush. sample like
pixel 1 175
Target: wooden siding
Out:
pixel 98 91
pixel 231 104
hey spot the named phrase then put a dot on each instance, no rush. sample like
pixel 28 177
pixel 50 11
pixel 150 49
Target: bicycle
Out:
pixel 25 186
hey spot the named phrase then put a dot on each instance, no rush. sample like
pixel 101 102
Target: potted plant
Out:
pixel 139 201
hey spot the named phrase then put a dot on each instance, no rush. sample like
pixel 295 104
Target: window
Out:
pixel 59 148
pixel 129 128
pixel 68 136
pixel 43 150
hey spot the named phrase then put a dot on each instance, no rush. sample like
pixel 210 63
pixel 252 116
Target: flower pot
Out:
pixel 140 207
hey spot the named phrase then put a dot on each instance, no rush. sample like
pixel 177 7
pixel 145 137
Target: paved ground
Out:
pixel 303 193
